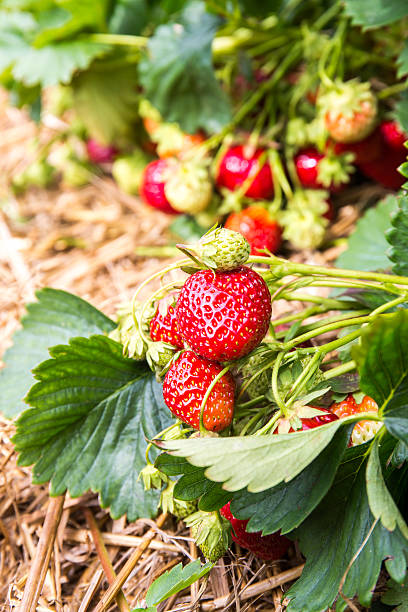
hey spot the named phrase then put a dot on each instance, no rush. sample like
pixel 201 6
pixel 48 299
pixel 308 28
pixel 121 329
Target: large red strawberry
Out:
pixel 366 150
pixel 260 229
pixel 164 326
pixel 319 171
pixel 185 386
pixel 99 153
pixel 268 548
pixel 241 162
pixel 153 183
pixel 363 430
pixel 383 169
pixel 349 110
pixel 224 315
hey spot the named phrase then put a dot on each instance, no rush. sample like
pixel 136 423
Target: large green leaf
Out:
pixel 106 100
pixel 256 462
pixel 381 502
pixel 56 63
pixel 401 111
pixel 175 580
pixel 178 75
pixel 91 412
pixel 292 502
pixel 69 17
pixel 382 362
pixel 397 236
pixel 375 13
pixel 367 245
pixel 332 535
pixel 54 319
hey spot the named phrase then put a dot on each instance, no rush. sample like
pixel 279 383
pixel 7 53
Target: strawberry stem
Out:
pixel 275 385
pixel 270 424
pixel 203 430
pixel 349 366
pixel 303 378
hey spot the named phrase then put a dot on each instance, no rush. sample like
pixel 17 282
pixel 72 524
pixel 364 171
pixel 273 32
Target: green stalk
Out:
pixel 269 425
pixel 303 378
pixel 349 366
pixel 275 388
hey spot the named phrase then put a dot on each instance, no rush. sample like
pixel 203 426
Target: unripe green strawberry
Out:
pixel 211 532
pixel 303 220
pixel 178 507
pixel 37 174
pixel 221 249
pixel 128 169
pixel 262 383
pixel 188 187
pixel 75 174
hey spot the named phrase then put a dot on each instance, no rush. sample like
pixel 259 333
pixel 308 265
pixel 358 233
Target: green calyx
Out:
pixel 128 333
pixel 159 356
pixel 152 477
pixel 211 532
pixel 346 97
pixel 335 170
pixel 219 249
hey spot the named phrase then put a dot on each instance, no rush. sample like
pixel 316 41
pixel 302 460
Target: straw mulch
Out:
pixel 83 241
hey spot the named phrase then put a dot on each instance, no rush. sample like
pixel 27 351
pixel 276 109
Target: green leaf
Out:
pixel 56 63
pixel 402 62
pixel 129 17
pixel 375 13
pixel 397 236
pixel 256 462
pixel 178 75
pixel 292 502
pixel 54 319
pixel 333 534
pixel 382 362
pixel 193 484
pixel 396 595
pixel 367 245
pixel 106 100
pixel 92 411
pixel 175 580
pixel 382 505
pixel 400 454
pixel 401 111
pixel 69 17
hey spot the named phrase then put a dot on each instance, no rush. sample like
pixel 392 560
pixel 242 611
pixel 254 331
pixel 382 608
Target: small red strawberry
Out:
pixel 224 315
pixel 99 153
pixel 349 110
pixel 268 548
pixel 305 423
pixel 384 170
pixel 153 183
pixel 363 430
pixel 185 386
pixel 164 327
pixel 241 162
pixel 319 171
pixel 393 135
pixel 260 229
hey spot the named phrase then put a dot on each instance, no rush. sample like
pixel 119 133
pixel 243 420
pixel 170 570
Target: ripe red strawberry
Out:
pixel 349 110
pixel 164 327
pixel 319 171
pixel 240 162
pixel 258 227
pixel 99 153
pixel 384 170
pixel 185 386
pixel 366 150
pixel 307 422
pixel 268 548
pixel 224 315
pixel 393 135
pixel 363 430
pixel 152 186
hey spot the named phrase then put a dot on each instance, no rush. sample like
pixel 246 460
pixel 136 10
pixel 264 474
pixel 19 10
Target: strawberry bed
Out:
pixel 252 405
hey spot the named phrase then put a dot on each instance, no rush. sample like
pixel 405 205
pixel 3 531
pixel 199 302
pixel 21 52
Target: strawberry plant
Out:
pixel 263 429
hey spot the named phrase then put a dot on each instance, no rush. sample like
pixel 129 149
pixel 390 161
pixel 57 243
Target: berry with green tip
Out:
pixel 211 532
pixel 178 507
pixel 164 326
pixel 349 110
